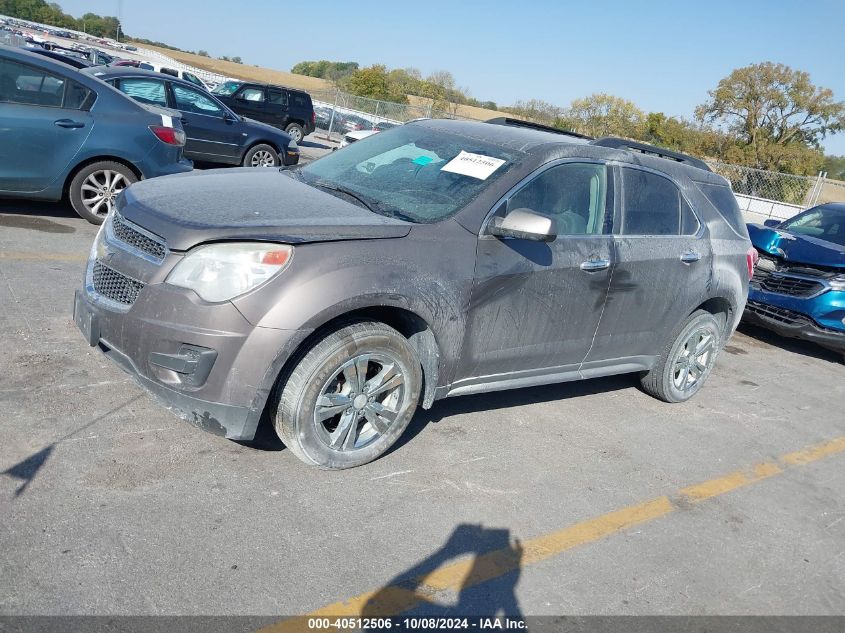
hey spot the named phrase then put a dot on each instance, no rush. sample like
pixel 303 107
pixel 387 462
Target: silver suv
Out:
pixel 435 259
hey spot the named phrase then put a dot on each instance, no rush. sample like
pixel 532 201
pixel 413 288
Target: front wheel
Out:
pixel 350 397
pixel 687 360
pixel 261 156
pixel 95 188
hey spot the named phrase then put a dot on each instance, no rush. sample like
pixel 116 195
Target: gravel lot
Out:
pixel 110 505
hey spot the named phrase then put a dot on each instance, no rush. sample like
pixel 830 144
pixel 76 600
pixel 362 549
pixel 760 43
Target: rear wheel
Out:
pixel 95 188
pixel 350 397
pixel 687 360
pixel 295 131
pixel 261 156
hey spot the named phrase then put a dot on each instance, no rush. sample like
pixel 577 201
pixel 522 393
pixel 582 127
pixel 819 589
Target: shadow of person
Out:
pixel 484 584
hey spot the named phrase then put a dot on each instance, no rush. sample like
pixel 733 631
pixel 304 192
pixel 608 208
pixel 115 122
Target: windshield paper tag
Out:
pixel 473 165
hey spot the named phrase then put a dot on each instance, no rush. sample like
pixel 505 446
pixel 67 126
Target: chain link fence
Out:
pixel 769 194
pixel 339 113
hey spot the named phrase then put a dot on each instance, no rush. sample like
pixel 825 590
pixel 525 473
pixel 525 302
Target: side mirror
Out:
pixel 524 224
pixel 771 222
pixel 228 117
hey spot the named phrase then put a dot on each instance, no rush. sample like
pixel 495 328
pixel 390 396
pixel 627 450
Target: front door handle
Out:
pixel 593 265
pixel 690 256
pixel 68 123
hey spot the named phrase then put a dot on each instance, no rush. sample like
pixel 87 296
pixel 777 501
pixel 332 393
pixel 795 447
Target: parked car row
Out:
pixel 326 116
pixel 87 133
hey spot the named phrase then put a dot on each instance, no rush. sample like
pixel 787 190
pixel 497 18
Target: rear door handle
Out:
pixel 68 123
pixel 690 256
pixel 593 265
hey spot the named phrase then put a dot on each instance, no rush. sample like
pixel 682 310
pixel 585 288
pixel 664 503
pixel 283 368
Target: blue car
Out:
pixel 215 133
pixel 66 134
pixel 798 287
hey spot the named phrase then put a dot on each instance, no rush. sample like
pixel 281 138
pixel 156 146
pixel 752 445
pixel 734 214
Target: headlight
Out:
pixel 838 282
pixel 219 272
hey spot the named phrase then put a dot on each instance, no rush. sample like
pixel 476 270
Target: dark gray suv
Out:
pixel 435 259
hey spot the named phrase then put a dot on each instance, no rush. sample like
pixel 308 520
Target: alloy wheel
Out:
pixel 262 158
pixel 693 359
pixel 359 402
pixel 101 189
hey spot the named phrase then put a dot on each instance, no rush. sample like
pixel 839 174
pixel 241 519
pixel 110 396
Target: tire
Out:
pixel 318 382
pixel 95 188
pixel 676 378
pixel 295 131
pixel 262 155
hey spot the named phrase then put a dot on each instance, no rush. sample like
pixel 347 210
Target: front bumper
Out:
pixel 205 362
pixel 792 324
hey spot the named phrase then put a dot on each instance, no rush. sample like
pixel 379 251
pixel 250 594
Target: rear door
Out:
pixel 662 263
pixel 535 306
pixel 44 125
pixel 210 136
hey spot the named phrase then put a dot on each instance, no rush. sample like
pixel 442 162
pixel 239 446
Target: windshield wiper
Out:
pixel 372 205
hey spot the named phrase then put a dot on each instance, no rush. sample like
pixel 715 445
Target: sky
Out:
pixel 662 55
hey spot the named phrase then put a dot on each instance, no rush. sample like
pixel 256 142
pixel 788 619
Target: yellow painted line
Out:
pixel 720 486
pixel 28 256
pixel 393 600
pixel 814 453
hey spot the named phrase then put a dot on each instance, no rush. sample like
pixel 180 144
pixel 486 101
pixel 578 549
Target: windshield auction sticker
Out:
pixel 473 165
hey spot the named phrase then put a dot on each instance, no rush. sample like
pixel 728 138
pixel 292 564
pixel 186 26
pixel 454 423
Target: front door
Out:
pixel 535 306
pixel 210 135
pixel 251 102
pixel 42 128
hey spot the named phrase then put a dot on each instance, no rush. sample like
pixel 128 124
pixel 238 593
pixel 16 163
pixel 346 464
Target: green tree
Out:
pixel 778 116
pixel 203 53
pixel 835 167
pixel 374 82
pixel 605 115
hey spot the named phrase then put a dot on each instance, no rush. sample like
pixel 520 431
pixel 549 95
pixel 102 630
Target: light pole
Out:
pixel 119 18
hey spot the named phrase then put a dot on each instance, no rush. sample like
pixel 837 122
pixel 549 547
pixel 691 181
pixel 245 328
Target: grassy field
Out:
pixel 280 77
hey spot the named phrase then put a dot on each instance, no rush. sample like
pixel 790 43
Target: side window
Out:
pixel 190 100
pixel 24 84
pixel 300 101
pixel 251 94
pixel 78 97
pixel 574 194
pixel 653 205
pixel 150 91
pixel 276 96
pixel 192 78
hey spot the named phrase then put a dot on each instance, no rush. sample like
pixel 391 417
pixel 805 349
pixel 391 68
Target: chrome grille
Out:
pixel 114 285
pixel 131 236
pixel 786 285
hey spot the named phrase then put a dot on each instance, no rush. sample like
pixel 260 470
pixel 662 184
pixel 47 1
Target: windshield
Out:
pixel 412 172
pixel 226 88
pixel 825 223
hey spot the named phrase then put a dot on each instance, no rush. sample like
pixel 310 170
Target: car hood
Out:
pixel 248 203
pixel 794 247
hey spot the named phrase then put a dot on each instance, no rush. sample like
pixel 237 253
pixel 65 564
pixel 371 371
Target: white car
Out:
pixel 351 137
pixel 182 74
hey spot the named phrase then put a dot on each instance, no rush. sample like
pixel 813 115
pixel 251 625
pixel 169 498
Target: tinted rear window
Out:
pixel 725 202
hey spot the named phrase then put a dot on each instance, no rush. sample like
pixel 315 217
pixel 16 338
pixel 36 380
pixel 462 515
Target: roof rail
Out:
pixel 645 148
pixel 535 126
